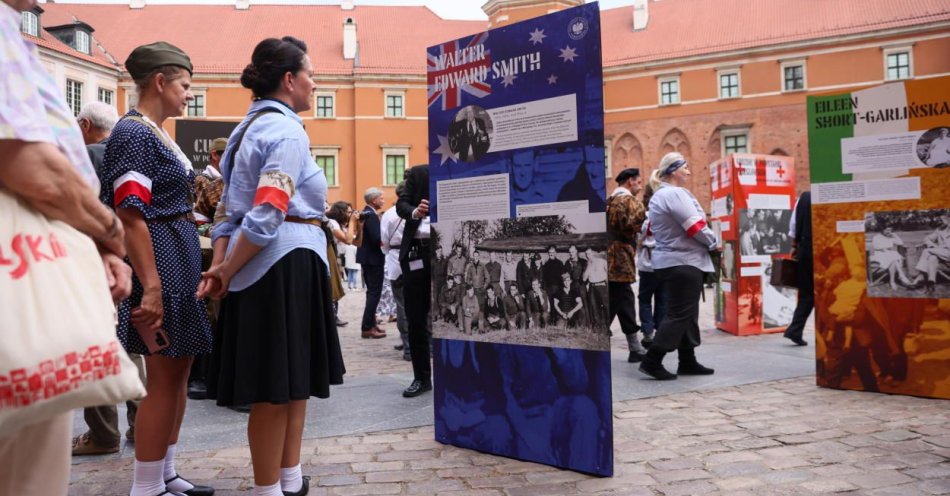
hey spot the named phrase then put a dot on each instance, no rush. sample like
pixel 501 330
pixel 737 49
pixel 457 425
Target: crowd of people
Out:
pixel 277 256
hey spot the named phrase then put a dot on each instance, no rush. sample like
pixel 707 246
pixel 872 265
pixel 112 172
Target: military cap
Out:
pixel 625 174
pixel 147 58
pixel 219 144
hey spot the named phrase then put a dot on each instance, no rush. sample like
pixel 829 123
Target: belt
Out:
pixel 599 283
pixel 172 218
pixel 301 220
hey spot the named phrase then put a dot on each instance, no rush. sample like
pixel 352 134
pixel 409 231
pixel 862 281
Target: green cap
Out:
pixel 219 144
pixel 147 58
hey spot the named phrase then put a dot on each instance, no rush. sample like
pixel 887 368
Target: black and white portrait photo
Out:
pixel 470 133
pixel 532 281
pixel 933 147
pixel 908 253
pixel 764 231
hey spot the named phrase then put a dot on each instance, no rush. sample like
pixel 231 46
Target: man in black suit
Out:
pixel 371 259
pixel 469 136
pixel 413 205
pixel 801 250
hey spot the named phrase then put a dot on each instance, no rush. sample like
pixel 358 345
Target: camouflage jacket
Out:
pixel 625 215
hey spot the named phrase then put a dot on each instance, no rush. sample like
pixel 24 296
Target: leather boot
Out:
pixel 636 351
pixel 652 365
pixel 688 364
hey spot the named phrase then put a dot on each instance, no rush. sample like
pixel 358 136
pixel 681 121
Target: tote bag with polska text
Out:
pixel 58 346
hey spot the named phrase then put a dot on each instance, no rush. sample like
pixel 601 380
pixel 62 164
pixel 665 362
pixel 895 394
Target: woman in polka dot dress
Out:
pixel 151 188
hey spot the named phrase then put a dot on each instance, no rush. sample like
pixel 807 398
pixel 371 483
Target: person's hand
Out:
pixel 356 218
pixel 119 276
pixel 214 283
pixel 422 210
pixel 148 315
pixel 114 239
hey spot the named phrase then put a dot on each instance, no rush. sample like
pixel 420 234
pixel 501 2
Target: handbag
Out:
pixel 784 272
pixel 336 277
pixel 58 346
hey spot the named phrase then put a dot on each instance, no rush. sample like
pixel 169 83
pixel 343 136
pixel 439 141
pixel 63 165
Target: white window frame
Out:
pixel 328 151
pixel 30 23
pixel 83 42
pixel 402 95
pixel 659 90
pixel 793 63
pixel 395 151
pixel 73 93
pixel 203 93
pixel 316 107
pixel 909 50
pixel 729 72
pixel 111 91
pixel 608 162
pixel 732 133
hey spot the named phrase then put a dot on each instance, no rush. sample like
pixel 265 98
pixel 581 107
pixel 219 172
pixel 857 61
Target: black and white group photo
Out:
pixel 908 253
pixel 530 280
pixel 764 231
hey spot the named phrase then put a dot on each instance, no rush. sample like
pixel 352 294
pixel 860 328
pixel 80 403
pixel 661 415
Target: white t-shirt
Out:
pixel 349 257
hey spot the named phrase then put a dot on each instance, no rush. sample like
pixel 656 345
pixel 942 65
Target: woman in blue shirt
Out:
pixel 278 342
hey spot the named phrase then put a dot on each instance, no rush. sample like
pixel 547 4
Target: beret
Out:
pixel 147 58
pixel 625 174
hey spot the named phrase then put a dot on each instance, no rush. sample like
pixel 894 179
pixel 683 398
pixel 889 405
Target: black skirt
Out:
pixel 276 341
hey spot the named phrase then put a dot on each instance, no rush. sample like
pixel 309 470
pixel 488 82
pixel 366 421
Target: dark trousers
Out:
pixel 418 296
pixel 373 274
pixel 680 326
pixel 103 421
pixel 806 295
pixel 599 306
pixel 623 305
pixel 652 302
pixel 401 323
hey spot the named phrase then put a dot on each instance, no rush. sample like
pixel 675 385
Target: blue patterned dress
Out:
pixel 141 171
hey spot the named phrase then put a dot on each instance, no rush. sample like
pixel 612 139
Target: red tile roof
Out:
pixel 392 40
pixel 220 38
pixel 681 28
pixel 51 42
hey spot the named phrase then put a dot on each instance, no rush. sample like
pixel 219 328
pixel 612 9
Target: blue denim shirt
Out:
pixel 273 176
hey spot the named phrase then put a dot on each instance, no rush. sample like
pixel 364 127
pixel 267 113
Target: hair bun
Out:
pixel 250 76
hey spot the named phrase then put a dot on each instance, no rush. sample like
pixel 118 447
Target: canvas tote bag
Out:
pixel 58 346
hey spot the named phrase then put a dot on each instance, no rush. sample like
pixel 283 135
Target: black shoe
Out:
pixel 407 357
pixel 340 323
pixel 303 489
pixel 195 491
pixel 656 371
pixel 399 347
pixel 197 390
pixel 635 357
pixel 240 408
pixel 797 341
pixel 646 344
pixel 693 368
pixel 416 388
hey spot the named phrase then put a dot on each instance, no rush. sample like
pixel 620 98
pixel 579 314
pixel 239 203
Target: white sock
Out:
pixel 291 479
pixel 272 490
pixel 170 473
pixel 147 479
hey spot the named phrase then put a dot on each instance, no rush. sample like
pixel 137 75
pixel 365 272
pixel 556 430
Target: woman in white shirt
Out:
pixel 680 257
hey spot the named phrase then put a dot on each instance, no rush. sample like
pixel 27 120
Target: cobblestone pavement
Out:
pixel 777 437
